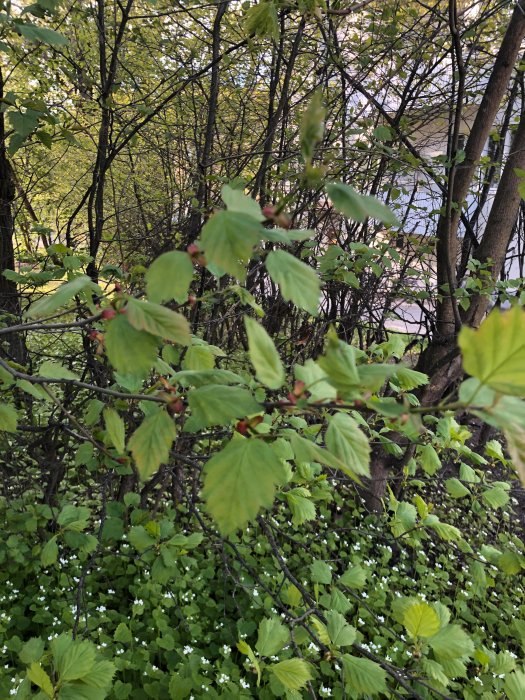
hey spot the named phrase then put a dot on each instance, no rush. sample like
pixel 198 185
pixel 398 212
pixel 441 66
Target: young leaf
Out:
pixel 429 459
pixel 354 577
pixel 130 351
pixel 312 127
pixel 49 553
pixel 115 429
pixel 495 353
pixel 273 636
pixel 263 355
pixel 158 320
pixel 228 239
pixel 60 297
pixel 39 677
pixel 297 281
pixel 294 674
pixel 347 441
pixel 169 277
pixel 151 442
pixel 239 481
pixel 76 661
pixel 262 20
pixel 43 34
pixel 421 620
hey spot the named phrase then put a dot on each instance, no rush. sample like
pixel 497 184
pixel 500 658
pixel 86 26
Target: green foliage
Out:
pixel 263 355
pixel 151 442
pixel 297 281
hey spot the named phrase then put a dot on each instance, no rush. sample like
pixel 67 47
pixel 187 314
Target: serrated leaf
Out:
pixel 49 553
pixel 316 382
pixel 228 239
pixel 169 277
pixel 451 643
pixel 321 572
pixel 61 296
pixel 53 370
pixel 428 459
pixel 272 636
pixel 130 351
pixel 294 674
pixel 76 661
pixel 456 489
pixel 341 633
pixel 239 481
pixel 115 429
pixel 158 320
pixel 297 281
pixel 347 442
pixel 236 200
pixel 363 676
pixel 302 508
pixel 262 20
pixel 100 675
pixel 8 418
pixel 217 404
pixel 151 442
pixel 515 685
pixel 39 677
pixel 515 436
pixel 496 497
pixel 263 355
pixel 495 352
pixel 358 207
pixel 409 379
pixel 32 650
pixel 354 577
pixel 421 620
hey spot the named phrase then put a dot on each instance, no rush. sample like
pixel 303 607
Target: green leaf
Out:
pixel 130 351
pixel 272 637
pixel 228 239
pixel 294 674
pixel 312 127
pixel 300 505
pixel 297 281
pixel 39 677
pixel 421 620
pixel 236 200
pixel 348 443
pixel 115 429
pixel 363 676
pixel 452 643
pixel 49 553
pixel 456 489
pixel 515 685
pixel 515 436
pixel 61 296
pixel 76 661
pixel 8 418
pixel 429 459
pixel 316 382
pixel 198 357
pixel 340 366
pixel 100 675
pixel 202 377
pixel 151 442
pixel 409 379
pixel 158 320
pixel 495 353
pixel 307 451
pixel 53 370
pixel 263 355
pixel 262 20
pixel 358 207
pixel 217 404
pixel 496 497
pixel 32 650
pixel 169 277
pixel 43 34
pixel 239 481
pixel 341 633
pixel 321 572
pixel 354 577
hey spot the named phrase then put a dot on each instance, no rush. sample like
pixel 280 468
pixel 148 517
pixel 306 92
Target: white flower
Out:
pixel 187 649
